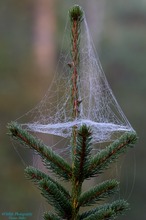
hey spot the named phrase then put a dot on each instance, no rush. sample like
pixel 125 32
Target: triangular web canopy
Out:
pixel 98 106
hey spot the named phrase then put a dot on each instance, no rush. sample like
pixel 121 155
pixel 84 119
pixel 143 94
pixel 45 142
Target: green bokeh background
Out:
pixel 121 46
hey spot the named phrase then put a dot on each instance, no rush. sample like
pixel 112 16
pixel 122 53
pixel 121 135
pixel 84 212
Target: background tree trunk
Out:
pixel 44 35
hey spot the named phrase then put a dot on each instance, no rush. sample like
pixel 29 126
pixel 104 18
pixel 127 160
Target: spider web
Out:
pixel 98 109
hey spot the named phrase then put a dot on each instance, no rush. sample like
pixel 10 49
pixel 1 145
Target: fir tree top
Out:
pixel 76 13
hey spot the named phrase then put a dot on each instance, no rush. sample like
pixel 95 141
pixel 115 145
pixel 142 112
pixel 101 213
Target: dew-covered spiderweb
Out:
pixel 98 109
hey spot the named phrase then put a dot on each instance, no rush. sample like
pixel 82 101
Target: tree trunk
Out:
pixel 44 35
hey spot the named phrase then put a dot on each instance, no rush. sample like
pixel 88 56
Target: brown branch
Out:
pixel 75 37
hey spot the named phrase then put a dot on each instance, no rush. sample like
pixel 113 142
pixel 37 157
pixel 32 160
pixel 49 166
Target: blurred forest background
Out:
pixel 30 34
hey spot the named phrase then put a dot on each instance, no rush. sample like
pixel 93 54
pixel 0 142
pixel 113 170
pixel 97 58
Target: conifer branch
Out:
pixel 56 198
pixel 98 193
pixel 106 212
pixel 83 153
pixel 51 216
pixel 105 157
pixel 36 176
pixel 76 15
pixel 53 161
